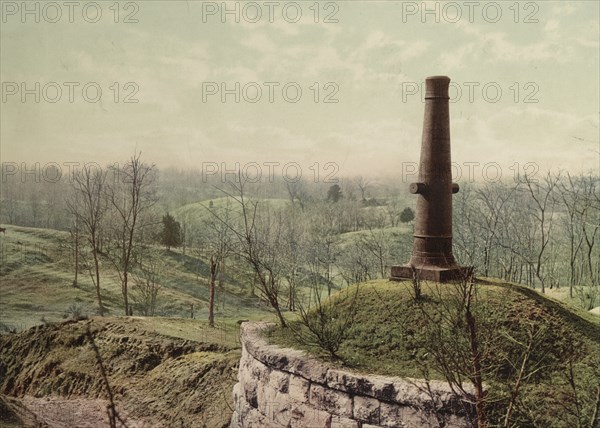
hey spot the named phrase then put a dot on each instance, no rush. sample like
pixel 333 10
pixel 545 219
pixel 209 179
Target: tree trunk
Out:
pixel 282 322
pixel 211 301
pixel 97 266
pixel 76 255
pixel 476 358
pixel 125 294
pixel 221 273
pixel 292 294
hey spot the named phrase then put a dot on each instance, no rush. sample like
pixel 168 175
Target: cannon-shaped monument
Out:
pixel 432 257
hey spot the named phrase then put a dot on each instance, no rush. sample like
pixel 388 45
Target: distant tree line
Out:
pixel 542 232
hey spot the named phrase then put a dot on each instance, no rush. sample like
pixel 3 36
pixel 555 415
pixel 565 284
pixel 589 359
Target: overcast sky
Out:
pixel 523 92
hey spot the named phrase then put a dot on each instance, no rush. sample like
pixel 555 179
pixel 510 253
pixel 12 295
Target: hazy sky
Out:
pixel 523 92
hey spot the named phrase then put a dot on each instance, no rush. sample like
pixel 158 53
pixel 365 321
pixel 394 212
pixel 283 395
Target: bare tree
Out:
pixel 377 242
pixel 588 214
pixel 522 366
pixel 294 252
pixel 355 265
pixel 590 223
pixel 363 184
pixel 147 285
pixel 544 199
pixel 493 198
pixel 217 235
pixel 323 253
pixel 327 323
pixel 570 194
pixel 297 193
pixel 74 232
pixel 131 195
pixel 260 242
pixel 393 211
pixel 88 208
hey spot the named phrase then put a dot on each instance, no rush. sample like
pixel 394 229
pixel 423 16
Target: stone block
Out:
pixel 341 422
pixel 247 417
pixel 260 371
pixel 333 401
pixel 298 388
pixel 286 359
pixel 265 395
pixel 251 395
pixel 398 416
pixel 304 416
pixel 284 388
pixel 279 380
pixel 366 409
pixel 379 387
pixel 348 381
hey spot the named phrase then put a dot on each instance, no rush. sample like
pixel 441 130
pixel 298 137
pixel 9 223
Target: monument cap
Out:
pixel 437 87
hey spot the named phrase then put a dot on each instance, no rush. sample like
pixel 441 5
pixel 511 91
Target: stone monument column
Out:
pixel 432 257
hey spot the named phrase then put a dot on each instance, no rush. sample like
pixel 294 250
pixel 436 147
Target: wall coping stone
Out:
pixel 392 389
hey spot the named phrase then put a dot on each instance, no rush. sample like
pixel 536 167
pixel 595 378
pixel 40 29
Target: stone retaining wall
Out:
pixel 280 387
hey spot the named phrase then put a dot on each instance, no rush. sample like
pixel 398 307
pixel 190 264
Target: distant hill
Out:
pixel 194 214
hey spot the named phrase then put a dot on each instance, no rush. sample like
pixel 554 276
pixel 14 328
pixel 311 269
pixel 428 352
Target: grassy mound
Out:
pixel 535 352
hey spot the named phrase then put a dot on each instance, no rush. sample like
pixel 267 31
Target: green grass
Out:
pixel 36 284
pixel 391 334
pixel 351 237
pixel 196 213
pixel 386 313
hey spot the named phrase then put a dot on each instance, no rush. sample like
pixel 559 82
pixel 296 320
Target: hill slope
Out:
pixel 163 372
pixel 539 347
pixel 36 283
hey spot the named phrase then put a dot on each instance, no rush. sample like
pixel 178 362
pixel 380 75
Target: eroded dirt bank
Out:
pixel 162 372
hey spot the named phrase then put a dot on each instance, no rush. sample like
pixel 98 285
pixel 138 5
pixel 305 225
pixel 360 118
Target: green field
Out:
pixel 36 284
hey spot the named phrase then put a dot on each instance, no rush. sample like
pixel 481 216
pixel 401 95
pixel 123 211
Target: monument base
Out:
pixel 430 273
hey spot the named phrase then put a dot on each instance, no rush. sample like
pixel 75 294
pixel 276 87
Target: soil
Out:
pixel 50 375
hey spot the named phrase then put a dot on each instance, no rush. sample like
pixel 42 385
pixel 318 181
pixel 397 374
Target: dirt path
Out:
pixel 57 412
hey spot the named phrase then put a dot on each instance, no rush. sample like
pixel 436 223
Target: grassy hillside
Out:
pixel 165 371
pixel 194 214
pixel 36 284
pixel 393 334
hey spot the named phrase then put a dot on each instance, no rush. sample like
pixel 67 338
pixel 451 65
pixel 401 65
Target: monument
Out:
pixel 432 257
